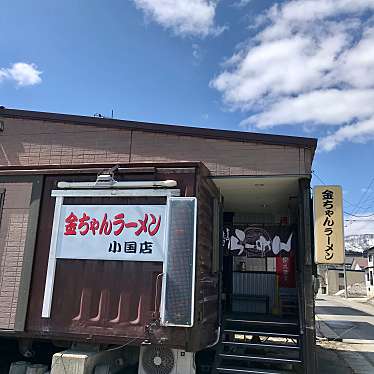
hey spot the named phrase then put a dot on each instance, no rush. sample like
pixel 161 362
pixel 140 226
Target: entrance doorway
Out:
pixel 260 282
pixel 259 269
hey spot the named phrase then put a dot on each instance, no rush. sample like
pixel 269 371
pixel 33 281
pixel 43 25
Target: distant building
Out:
pixel 332 276
pixel 332 279
pixel 359 263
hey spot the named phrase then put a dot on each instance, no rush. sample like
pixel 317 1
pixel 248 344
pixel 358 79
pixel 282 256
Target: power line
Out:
pixel 362 196
pixel 323 182
pixel 359 216
pixel 368 207
pixel 369 201
pixel 359 220
pixel 317 176
pixel 356 206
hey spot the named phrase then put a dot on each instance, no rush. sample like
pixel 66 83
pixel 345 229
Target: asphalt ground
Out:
pixel 345 331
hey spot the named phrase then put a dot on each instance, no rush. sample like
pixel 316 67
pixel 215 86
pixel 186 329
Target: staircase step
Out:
pixel 264 323
pixel 260 358
pixel 282 328
pixel 248 371
pixel 261 345
pixel 262 333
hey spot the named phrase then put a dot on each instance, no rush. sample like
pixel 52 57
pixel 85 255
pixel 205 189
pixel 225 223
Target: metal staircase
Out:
pixel 251 345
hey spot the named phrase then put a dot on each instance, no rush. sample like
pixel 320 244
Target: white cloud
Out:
pixel 310 63
pixel 357 63
pixel 22 74
pixel 184 17
pixel 196 52
pixel 242 3
pixel 327 107
pixel 359 132
pixel 3 75
pixel 366 190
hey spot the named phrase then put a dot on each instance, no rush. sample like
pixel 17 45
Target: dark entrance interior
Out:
pixel 259 269
pixel 260 299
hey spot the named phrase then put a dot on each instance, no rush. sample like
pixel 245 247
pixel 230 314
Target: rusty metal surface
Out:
pixel 114 297
pixel 100 300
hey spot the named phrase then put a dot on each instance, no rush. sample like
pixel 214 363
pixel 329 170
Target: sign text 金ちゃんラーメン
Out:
pixel 328 225
pixel 111 232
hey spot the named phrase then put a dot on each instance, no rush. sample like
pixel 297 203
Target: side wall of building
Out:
pixel 37 143
pixel 335 279
pixel 13 238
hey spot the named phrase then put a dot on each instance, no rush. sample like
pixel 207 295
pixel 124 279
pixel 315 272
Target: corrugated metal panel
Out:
pixel 254 284
pixel 105 294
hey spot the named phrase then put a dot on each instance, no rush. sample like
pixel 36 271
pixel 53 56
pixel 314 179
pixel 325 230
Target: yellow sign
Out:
pixel 328 225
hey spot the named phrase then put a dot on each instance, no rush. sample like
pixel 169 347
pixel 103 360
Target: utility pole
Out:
pixel 345 278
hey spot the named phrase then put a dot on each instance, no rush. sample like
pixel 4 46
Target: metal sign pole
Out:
pixel 345 278
pixel 345 268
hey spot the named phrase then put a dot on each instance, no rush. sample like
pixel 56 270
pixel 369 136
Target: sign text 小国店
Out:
pixel 111 232
pixel 328 225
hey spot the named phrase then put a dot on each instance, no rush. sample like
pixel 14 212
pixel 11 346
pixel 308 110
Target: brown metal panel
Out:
pixel 13 229
pixel 28 256
pixel 305 274
pixel 108 301
pixel 103 297
pixel 96 167
pixel 2 195
pixel 203 332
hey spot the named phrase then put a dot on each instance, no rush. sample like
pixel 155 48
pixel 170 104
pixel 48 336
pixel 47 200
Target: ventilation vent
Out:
pixel 157 360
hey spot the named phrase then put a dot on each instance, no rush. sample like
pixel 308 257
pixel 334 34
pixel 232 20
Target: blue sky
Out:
pixel 302 67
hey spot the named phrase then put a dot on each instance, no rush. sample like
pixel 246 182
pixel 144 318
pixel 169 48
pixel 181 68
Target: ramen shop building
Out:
pixel 176 249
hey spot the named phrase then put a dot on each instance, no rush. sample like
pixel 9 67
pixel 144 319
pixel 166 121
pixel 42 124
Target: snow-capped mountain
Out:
pixel 358 243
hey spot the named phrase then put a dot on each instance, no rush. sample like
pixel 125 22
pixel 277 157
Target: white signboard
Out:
pixel 111 232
